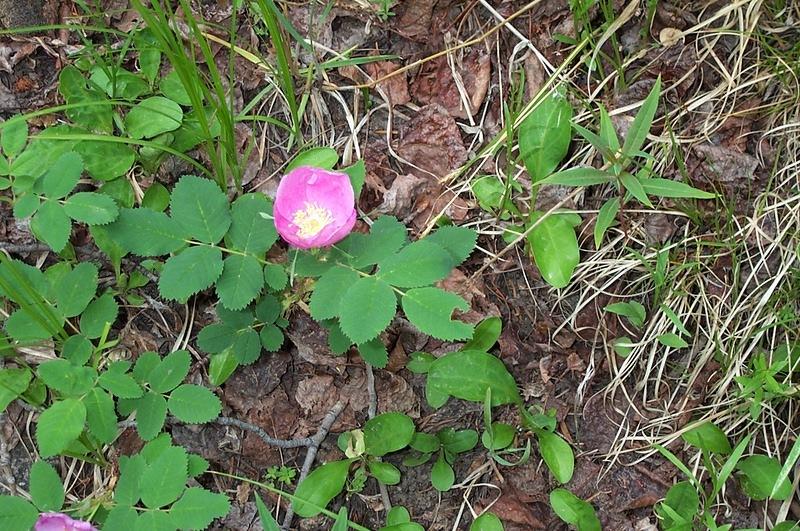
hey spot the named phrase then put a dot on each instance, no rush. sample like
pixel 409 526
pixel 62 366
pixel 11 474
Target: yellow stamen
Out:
pixel 311 220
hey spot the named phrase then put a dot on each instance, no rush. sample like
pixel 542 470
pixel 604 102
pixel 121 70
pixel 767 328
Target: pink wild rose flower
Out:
pixel 314 207
pixel 61 522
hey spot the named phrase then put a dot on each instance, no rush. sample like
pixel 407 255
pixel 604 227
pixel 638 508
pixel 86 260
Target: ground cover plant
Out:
pixel 397 266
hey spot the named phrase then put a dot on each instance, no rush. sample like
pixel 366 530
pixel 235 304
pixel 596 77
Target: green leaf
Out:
pixel 194 404
pixel 190 272
pixel 100 415
pixel 431 309
pixel 221 367
pixel 367 309
pixel 485 335
pixel 374 352
pixel 153 521
pixel 26 205
pixel 634 185
pixel 62 177
pixel 386 236
pixel 151 412
pixel 329 292
pixel 574 510
pixel 486 522
pixel 467 375
pixel 120 190
pixel 337 341
pixel 633 310
pixel 172 87
pixel 397 515
pixel 120 518
pixel 275 277
pixel 197 508
pixel 164 480
pixel 66 378
pixel 59 425
pixel 318 157
pixel 271 338
pixel 683 499
pixel 268 521
pixel 672 340
pixel 105 160
pixel 442 475
pixel 51 225
pixel 579 177
pixel 545 135
pixel 321 486
pixel 13 382
pixel 555 249
pixel 759 477
pixel 709 437
pixel 17 514
pixel 76 289
pixel 100 312
pixel 388 432
pixel 357 173
pixel 637 133
pixel 557 454
pixel 605 218
pixel 457 442
pixel 418 264
pixel 201 208
pixel 156 197
pixel 607 131
pixel 675 189
pixel 145 232
pixel 91 208
pixel 386 473
pixel 240 283
pixel 170 371
pixel 46 488
pixel 120 384
pixel 25 325
pixel 267 310
pixel 502 436
pixel 459 242
pixel 14 135
pixel 420 362
pixel 153 116
pixel 250 232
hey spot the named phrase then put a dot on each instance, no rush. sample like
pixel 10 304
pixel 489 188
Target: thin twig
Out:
pixel 280 443
pixel 24 248
pixel 372 410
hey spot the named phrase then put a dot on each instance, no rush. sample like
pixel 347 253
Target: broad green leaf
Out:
pixel 321 486
pixel 425 442
pixel 672 340
pixel 194 404
pixel 91 208
pixel 557 454
pixel 17 514
pixel 418 264
pixel 683 499
pixel 341 524
pixel 442 475
pixel 502 436
pixel 485 335
pixel 386 473
pixel 52 225
pixel 787 525
pixel 46 488
pixel 170 371
pixel 120 384
pixel 76 289
pixel 578 177
pixel 759 477
pixel 59 425
pixel 337 341
pixel 367 308
pixel 88 109
pixel 63 176
pixel 25 325
pixel 145 232
pixel 388 432
pixel 397 515
pixel 555 249
pixel 201 208
pixel 14 135
pixel 267 310
pixel 100 312
pixel 197 465
pixel 120 190
pixel 623 346
pixel 153 521
pixel 221 367
pixel 145 363
pixel 387 235
pixel 545 135
pixel 675 189
pixel 197 508
pixel 13 382
pixel 250 232
pixel 431 309
pixel 275 276
pixel 172 87
pixel 634 185
pixel 357 173
pixel 374 352
pixel 66 378
pixel 240 283
pixel 459 242
pixel 100 415
pixel 637 134
pixel 457 441
pixel 633 310
pixel 156 197
pixel 605 219
pixel 164 480
pixel 151 412
pixel 268 521
pixel 42 152
pixel 118 82
pixel 486 522
pixel 105 160
pixel 318 157
pixel 271 338
pixel 420 362
pixel 190 272
pixel 708 436
pixel 467 375
pixel 153 116
pixel 574 510
pixel 120 518
pixel 26 205
pixel 329 291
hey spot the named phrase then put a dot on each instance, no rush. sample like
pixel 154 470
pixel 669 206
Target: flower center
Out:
pixel 311 220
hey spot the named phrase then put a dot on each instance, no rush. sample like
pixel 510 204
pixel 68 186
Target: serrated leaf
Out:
pixel 545 135
pixel 578 177
pixel 374 352
pixel 249 231
pixel 105 160
pixel 52 225
pixel 605 218
pixel 386 237
pixel 16 514
pixel 197 508
pixel 100 415
pixel 329 292
pixel 170 371
pixel 153 116
pixel 145 232
pixel 190 272
pixel 151 412
pixel 62 177
pixel 431 310
pixel 120 384
pixel 14 135
pixel 59 425
pixel 26 205
pixel 91 208
pixel 240 283
pixel 13 382
pixel 418 264
pixel 24 325
pixel 271 338
pixel 46 488
pixel 201 208
pixel 637 133
pixel 275 277
pixel 318 488
pixel 194 404
pixel 101 311
pixel 557 454
pixel 555 249
pixel 458 241
pixel 75 290
pixel 197 465
pixel 66 378
pixel 673 189
pixel 164 480
pixel 367 309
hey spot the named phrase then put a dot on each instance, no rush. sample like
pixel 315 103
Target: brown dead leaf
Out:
pixel 395 394
pixel 515 506
pixel 415 20
pixel 436 83
pixel 725 165
pixel 311 341
pixel 432 142
pixel 399 199
pixel 395 87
